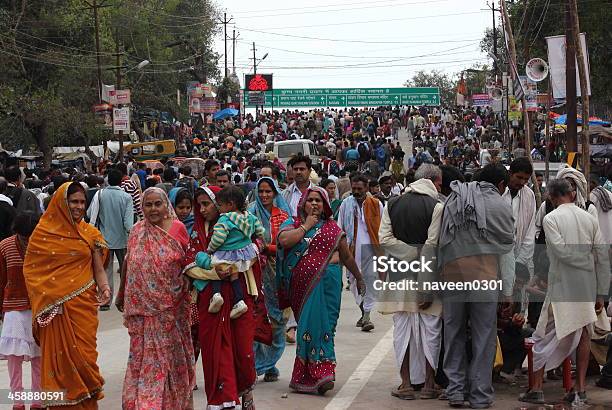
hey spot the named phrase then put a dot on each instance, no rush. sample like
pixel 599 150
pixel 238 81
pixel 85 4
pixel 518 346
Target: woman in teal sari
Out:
pixel 309 280
pixel 272 210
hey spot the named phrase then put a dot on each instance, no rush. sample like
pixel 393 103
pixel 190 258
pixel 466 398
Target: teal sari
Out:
pixel 313 289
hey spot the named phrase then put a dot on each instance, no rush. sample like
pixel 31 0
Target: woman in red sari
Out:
pixel 227 345
pixel 155 300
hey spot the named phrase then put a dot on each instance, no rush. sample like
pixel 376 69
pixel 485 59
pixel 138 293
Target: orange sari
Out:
pixel 58 270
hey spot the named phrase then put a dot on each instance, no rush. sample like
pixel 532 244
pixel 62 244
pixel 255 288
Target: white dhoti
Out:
pixel 548 350
pixel 422 333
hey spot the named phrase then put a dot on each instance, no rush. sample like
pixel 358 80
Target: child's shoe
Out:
pixel 238 310
pixel 215 303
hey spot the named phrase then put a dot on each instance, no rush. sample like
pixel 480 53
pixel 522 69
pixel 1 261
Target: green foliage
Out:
pixel 540 19
pixel 435 78
pixel 48 83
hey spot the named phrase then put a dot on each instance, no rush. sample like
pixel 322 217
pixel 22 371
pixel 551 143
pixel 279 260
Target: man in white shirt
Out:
pixel 522 200
pixel 359 216
pixel 578 283
pixel 485 155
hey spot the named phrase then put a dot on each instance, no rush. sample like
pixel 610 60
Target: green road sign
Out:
pixel 349 97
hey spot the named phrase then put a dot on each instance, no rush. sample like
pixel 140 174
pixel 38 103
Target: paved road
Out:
pixel 366 371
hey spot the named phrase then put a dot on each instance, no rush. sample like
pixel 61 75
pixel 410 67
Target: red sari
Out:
pixel 226 344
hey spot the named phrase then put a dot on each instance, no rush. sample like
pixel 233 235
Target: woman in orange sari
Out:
pixel 66 282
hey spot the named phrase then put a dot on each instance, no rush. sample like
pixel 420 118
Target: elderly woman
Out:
pixel 66 281
pixel 310 281
pixel 154 299
pixel 227 345
pixel 272 210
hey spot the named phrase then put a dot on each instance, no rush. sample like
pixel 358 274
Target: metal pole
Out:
pixel 571 132
pixel 234 51
pixel 97 31
pixel 494 40
pixel 225 34
pixel 118 80
pixel 254 72
pixel 584 92
pixel 547 135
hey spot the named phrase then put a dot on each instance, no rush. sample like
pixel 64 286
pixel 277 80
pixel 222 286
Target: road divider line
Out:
pixel 360 377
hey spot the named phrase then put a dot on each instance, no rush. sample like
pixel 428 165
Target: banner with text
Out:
pixel 348 97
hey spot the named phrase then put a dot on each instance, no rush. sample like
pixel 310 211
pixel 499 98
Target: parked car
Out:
pixel 284 150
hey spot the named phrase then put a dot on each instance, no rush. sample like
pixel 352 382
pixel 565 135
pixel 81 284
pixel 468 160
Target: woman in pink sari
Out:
pixel 154 299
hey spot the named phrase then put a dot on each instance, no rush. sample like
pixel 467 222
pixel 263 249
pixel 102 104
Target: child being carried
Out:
pixel 231 247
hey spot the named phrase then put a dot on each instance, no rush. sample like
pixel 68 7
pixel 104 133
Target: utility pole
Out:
pixel 95 6
pixel 254 72
pixel 234 38
pixel 118 87
pixel 571 132
pixel 514 71
pixel 493 10
pixel 225 22
pixel 584 92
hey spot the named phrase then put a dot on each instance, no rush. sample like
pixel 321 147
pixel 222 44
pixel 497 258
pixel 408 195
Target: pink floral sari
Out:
pixel 160 372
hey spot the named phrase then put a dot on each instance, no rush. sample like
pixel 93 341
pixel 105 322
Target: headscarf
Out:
pixel 260 211
pixel 154 285
pixel 327 211
pixel 199 235
pixel 58 264
pixel 153 190
pixel 579 180
pixel 211 191
pixel 189 220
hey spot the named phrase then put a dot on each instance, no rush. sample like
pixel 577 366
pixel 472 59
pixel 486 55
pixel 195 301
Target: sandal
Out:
pixel 248 404
pixel 532 396
pixel 270 377
pixel 324 388
pixel 428 394
pixel 403 394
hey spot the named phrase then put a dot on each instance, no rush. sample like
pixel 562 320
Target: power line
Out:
pixel 365 65
pixel 368 57
pixel 356 41
pixel 326 9
pixel 321 6
pixel 380 21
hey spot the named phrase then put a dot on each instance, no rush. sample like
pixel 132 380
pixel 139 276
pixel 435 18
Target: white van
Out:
pixel 284 150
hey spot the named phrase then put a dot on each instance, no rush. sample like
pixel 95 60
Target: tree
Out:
pixel 533 21
pixel 438 79
pixel 48 79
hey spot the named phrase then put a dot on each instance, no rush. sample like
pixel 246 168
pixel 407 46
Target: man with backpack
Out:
pixel 187 181
pixel 23 200
pixel 364 150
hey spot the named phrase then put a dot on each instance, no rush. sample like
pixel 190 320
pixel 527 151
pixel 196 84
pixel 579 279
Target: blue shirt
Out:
pixel 116 216
pixel 142 174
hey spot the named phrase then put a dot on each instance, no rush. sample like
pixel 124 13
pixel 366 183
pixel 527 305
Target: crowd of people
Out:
pixel 234 264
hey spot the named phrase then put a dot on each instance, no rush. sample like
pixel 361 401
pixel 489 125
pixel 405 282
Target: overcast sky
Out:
pixel 377 43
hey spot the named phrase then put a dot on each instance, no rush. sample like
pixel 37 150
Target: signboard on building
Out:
pixel 348 97
pixel 203 105
pixel 121 120
pixel 119 97
pixel 481 100
pixel 104 115
pixel 531 93
pixel 257 97
pixel 258 82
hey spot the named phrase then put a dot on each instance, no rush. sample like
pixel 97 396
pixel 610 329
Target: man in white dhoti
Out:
pixel 409 222
pixel 578 278
pixel 359 216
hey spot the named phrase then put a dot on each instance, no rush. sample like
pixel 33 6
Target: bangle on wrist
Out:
pixel 303 228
